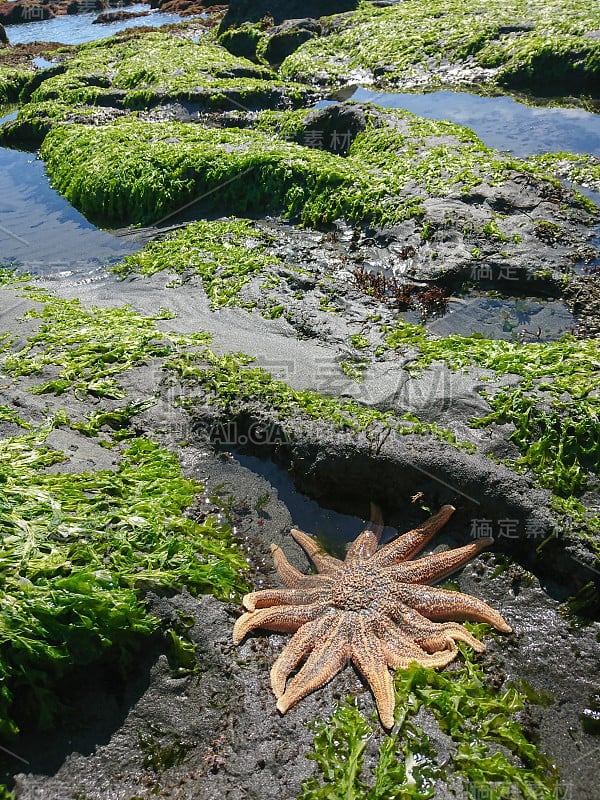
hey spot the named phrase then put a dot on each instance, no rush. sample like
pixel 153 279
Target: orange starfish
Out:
pixel 372 609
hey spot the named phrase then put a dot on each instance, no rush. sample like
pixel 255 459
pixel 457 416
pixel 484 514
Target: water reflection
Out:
pixel 40 229
pixel 502 123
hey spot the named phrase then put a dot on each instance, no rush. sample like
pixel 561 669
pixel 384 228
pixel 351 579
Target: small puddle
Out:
pixel 40 231
pixel 501 122
pixel 43 63
pixel 5 117
pixel 333 530
pixel 514 319
pixel 79 28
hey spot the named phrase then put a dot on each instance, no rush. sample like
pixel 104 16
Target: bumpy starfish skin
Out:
pixel 372 609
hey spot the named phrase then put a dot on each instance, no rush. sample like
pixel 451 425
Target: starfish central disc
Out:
pixel 374 609
pixel 353 590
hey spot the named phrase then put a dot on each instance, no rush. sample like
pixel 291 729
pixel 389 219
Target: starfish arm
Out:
pixel 322 560
pixel 368 541
pixel 411 543
pixel 433 636
pixel 362 547
pixel 283 619
pixel 289 575
pixel 432 568
pixel 442 604
pixel 445 632
pixel 326 660
pixel 265 598
pixel 401 651
pixel 370 657
pixel 298 648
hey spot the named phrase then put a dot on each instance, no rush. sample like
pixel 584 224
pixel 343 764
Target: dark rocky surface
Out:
pixel 220 726
pixel 284 39
pixel 240 11
pixel 237 746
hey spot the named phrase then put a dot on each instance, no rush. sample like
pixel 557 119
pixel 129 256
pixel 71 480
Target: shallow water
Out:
pixel 515 319
pixel 509 126
pixel 332 528
pixel 40 230
pixel 501 122
pixel 78 28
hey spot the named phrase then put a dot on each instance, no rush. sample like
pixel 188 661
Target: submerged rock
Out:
pixel 118 16
pixel 240 11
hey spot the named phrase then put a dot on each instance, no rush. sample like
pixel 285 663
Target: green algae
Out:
pixel 580 168
pixel 530 44
pixel 561 445
pixel 339 747
pixel 80 549
pixel 243 40
pixel 554 411
pixel 224 254
pixel 138 72
pixel 492 751
pixel 12 80
pixel 359 341
pixel 230 383
pixel 544 63
pixel 86 351
pixel 136 171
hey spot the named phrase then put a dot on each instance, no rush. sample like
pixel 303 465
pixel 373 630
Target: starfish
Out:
pixel 374 609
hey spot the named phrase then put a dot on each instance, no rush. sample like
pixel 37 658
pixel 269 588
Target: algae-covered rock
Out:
pixel 34 121
pixel 12 80
pixel 520 45
pixel 242 41
pixel 137 72
pixel 467 211
pixel 282 40
pixel 260 40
